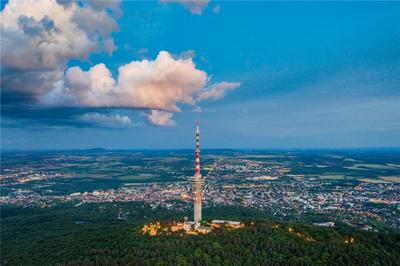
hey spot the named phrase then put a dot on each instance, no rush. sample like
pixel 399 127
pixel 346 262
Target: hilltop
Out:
pixel 109 234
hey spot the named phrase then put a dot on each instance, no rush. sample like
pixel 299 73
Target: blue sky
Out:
pixel 312 75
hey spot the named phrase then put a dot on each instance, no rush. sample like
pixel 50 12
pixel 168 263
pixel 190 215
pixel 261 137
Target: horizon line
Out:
pixel 205 149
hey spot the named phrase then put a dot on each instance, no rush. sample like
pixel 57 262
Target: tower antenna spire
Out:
pixel 197 149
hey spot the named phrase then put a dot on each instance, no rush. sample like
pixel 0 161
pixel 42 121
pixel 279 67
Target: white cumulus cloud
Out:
pixel 107 120
pixel 217 90
pixel 158 84
pixel 160 118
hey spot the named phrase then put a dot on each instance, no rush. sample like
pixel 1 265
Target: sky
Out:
pixel 138 75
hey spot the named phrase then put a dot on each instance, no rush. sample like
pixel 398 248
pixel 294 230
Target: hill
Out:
pixel 108 234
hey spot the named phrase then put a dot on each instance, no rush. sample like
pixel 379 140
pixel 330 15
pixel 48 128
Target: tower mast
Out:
pixel 198 182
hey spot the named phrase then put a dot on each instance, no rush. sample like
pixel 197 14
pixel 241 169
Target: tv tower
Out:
pixel 198 182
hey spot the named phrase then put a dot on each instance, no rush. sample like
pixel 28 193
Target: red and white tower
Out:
pixel 198 182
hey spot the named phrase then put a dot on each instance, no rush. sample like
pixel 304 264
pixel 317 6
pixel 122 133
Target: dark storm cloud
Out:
pixel 22 115
pixel 20 112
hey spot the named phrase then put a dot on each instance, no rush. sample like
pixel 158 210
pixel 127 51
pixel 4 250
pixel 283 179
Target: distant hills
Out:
pixel 217 150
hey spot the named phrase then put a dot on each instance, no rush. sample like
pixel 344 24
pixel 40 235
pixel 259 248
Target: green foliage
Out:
pixel 92 235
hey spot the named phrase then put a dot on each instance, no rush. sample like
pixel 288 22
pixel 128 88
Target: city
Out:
pixel 254 182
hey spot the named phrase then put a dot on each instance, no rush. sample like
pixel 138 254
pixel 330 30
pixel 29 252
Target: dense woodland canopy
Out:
pixel 92 235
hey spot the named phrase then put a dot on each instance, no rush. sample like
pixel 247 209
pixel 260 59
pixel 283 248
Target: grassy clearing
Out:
pixel 332 176
pixel 375 166
pixel 394 179
pixel 136 177
pixel 394 165
pixel 356 168
pixel 374 181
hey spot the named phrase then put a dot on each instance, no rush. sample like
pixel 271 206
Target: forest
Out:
pixel 95 234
